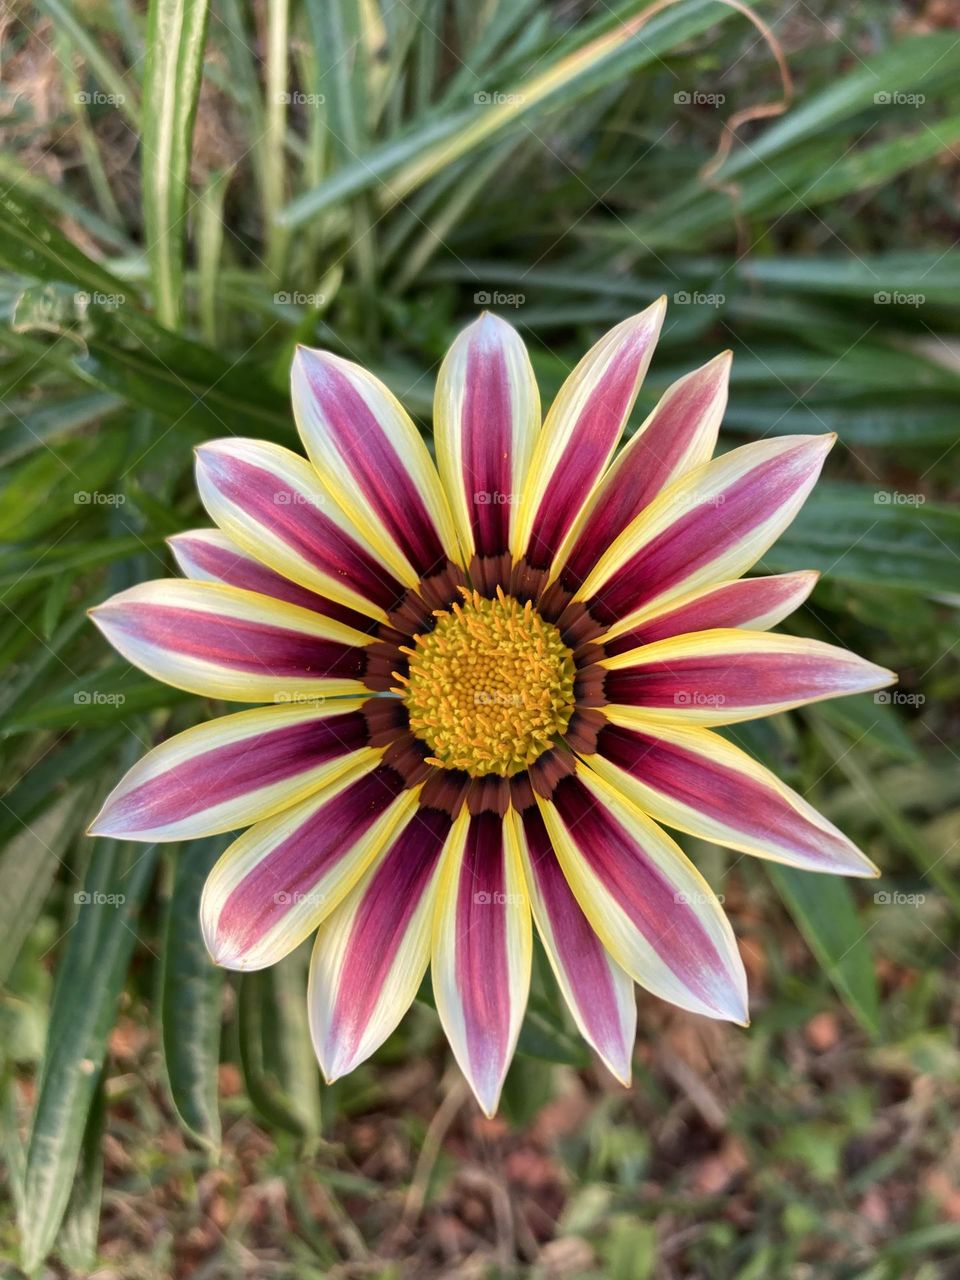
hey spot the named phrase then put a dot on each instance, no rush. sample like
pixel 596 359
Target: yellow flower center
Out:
pixel 490 688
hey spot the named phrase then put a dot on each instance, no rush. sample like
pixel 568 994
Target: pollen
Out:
pixel 490 688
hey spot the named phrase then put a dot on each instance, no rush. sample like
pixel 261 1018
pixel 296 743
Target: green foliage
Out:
pixel 363 178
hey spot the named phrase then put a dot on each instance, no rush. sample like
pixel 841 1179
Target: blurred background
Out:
pixel 191 187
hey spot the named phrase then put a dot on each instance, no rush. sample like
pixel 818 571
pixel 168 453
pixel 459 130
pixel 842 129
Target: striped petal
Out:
pixel 481 951
pixel 207 555
pixel 270 502
pixel 598 992
pixel 711 525
pixel 235 770
pixel 276 883
pixel 720 677
pixel 371 457
pixel 371 953
pixel 755 604
pixel 696 781
pixel 680 434
pixel 580 433
pixel 652 909
pixel 221 642
pixel 485 423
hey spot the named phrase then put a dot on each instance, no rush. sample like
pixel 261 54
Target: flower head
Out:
pixel 488 682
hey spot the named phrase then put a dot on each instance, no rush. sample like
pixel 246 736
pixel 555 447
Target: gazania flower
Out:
pixel 488 682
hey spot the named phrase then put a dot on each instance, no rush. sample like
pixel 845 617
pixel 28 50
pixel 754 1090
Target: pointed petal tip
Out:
pixel 487 1094
pixel 622 1072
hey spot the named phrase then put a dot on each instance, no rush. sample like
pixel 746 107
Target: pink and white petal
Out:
pixel 208 555
pixel 235 770
pixel 753 604
pixel 651 908
pixel 720 677
pixel 372 951
pixel 580 433
pixel 679 435
pixel 280 879
pixel 372 459
pixel 695 781
pixel 598 992
pixel 221 642
pixel 271 503
pixel 485 423
pixel 482 945
pixel 711 525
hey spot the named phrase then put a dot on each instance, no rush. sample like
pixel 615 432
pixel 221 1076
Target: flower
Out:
pixel 489 680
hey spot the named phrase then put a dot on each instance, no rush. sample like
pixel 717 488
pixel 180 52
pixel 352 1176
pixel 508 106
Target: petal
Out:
pixel 207 555
pixel 680 434
pixel 598 992
pixel 720 677
pixel 371 952
pixel 711 525
pixel 580 434
pixel 221 642
pixel 698 782
pixel 755 604
pixel 373 461
pixel 276 883
pixel 235 770
pixel 270 502
pixel 481 951
pixel 654 912
pixel 485 423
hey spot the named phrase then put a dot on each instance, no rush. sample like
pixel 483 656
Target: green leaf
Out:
pixel 826 914
pixel 603 52
pixel 32 245
pixel 176 32
pixel 91 971
pixel 79 1232
pixel 114 84
pixel 882 537
pixel 28 865
pixel 190 996
pixel 271 1037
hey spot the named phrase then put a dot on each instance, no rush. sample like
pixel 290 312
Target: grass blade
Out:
pixel 176 33
pixel 90 976
pixel 191 986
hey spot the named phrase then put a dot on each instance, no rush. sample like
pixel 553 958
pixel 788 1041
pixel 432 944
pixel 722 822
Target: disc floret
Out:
pixel 490 688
